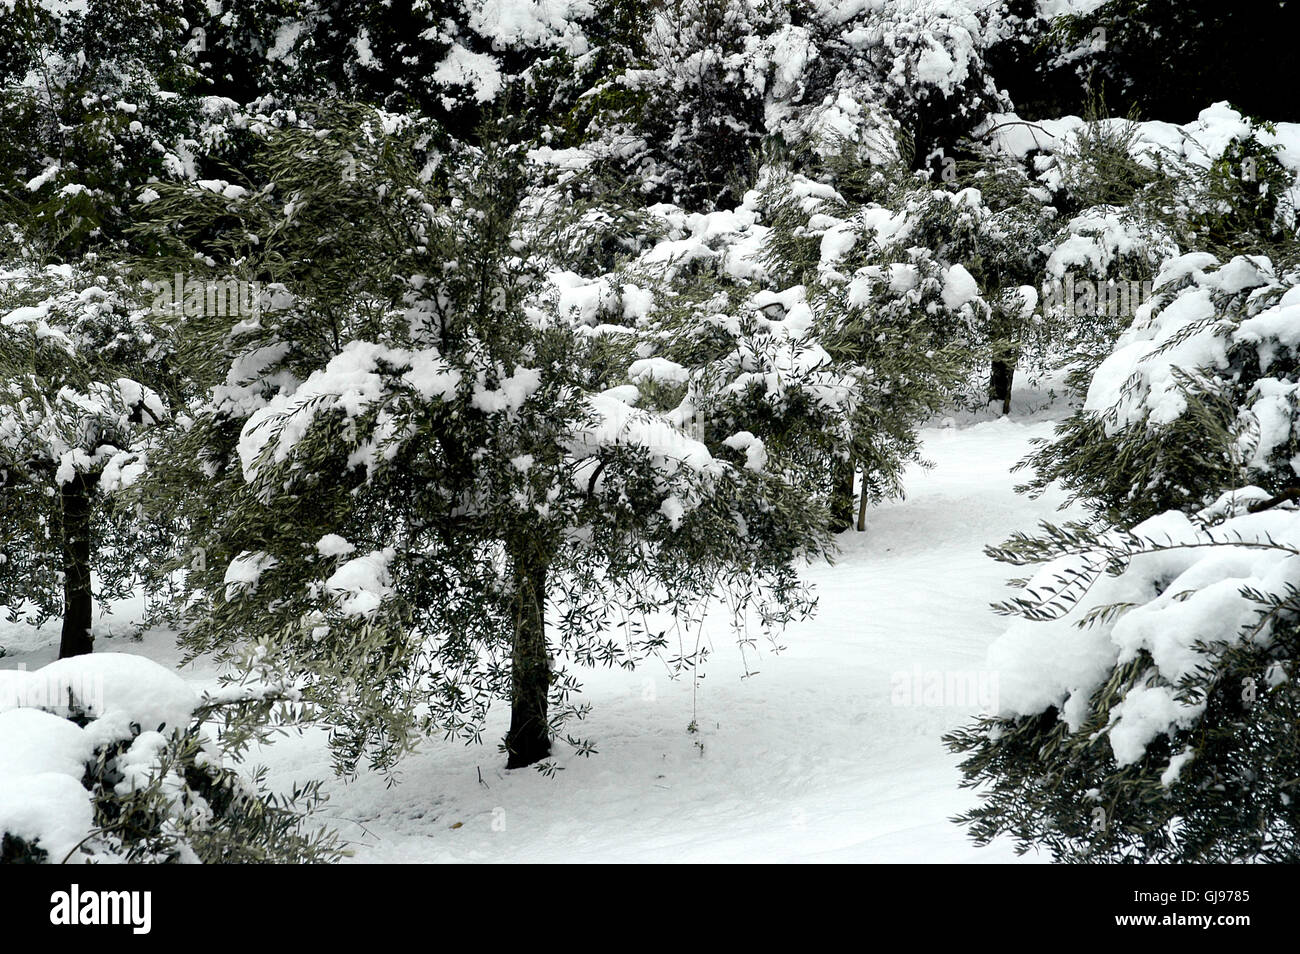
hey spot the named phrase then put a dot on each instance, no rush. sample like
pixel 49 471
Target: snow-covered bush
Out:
pixel 103 759
pixel 1196 397
pixel 1130 195
pixel 964 258
pixel 926 61
pixel 779 320
pixel 1245 201
pixel 86 379
pixel 1101 164
pixel 992 225
pixel 1101 262
pixel 1162 168
pixel 1148 702
pixel 685 117
pixel 460 62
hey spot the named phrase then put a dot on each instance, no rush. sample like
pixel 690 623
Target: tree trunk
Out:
pixel 862 506
pixel 529 738
pixel 842 497
pixel 1000 384
pixel 77 598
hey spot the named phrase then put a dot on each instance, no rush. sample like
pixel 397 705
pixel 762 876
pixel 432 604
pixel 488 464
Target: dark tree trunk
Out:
pixel 1000 384
pixel 842 497
pixel 529 738
pixel 77 597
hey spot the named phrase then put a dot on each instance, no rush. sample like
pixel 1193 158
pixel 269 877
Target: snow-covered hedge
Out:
pixel 102 760
pixel 1136 192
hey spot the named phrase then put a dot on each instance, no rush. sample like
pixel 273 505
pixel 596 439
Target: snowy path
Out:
pixel 812 759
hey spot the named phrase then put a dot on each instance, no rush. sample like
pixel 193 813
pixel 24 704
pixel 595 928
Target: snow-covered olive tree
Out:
pixel 765 319
pixel 714 85
pixel 85 380
pixel 899 320
pixel 1148 703
pixel 1186 406
pixel 96 99
pixel 419 481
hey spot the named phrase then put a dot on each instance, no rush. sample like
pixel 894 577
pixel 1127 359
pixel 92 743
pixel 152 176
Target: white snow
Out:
pixel 752 447
pixel 50 809
pixel 36 742
pixel 333 545
pixel 1144 713
pixel 478 71
pixel 958 287
pixel 352 382
pixel 657 369
pixel 510 393
pixel 810 759
pixel 43 755
pixel 115 689
pixel 362 583
pixel 245 570
pixel 1151 355
pixel 532 22
pixel 618 423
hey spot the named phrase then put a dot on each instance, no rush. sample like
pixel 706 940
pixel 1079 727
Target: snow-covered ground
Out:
pixel 831 752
